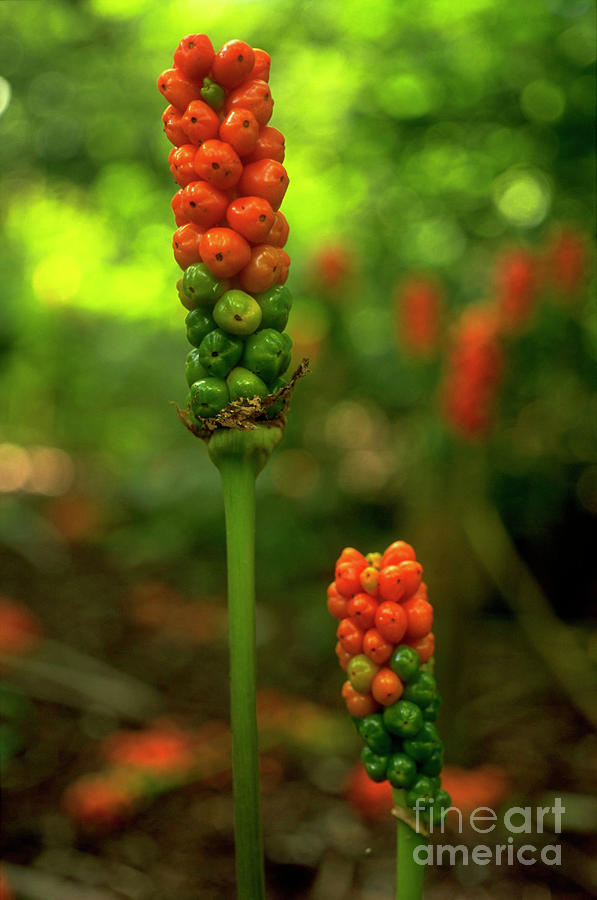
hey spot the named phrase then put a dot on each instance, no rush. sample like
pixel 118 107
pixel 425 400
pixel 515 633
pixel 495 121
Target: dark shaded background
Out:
pixel 422 138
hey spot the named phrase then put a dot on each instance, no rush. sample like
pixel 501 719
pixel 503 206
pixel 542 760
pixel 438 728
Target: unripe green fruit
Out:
pixel 430 712
pixel 421 690
pixel 361 671
pixel 403 718
pixel 219 352
pixel 401 770
pixel 199 322
pixel 375 765
pixel 212 94
pixel 275 306
pixel 434 764
pixel 243 384
pixel 208 397
pixel 422 791
pixel 277 408
pixel 201 286
pixel 264 353
pixel 236 312
pixel 404 661
pixel 194 369
pixel 423 745
pixel 372 731
pixel 287 355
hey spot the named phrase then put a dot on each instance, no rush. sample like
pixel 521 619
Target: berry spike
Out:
pixel 227 162
pixel 385 647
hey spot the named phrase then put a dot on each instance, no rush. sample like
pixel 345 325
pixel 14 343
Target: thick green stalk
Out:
pixel 240 456
pixel 409 874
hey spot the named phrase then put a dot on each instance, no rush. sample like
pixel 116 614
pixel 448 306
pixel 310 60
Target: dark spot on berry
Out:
pixel 261 217
pixel 192 203
pixel 215 165
pixel 246 123
pixel 281 179
pixel 190 45
pixel 176 244
pixel 238 317
pixel 193 119
pixel 227 173
pixel 163 87
pixel 219 257
pixel 240 57
pixel 214 353
pixel 266 97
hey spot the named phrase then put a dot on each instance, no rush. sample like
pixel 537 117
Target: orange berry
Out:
pixel 343 655
pixel 390 585
pixel 350 636
pixel 349 554
pixel 396 553
pixel 359 705
pixel 386 687
pixel 361 608
pixel 348 578
pixel 419 614
pixel 337 604
pixel 411 573
pixel 425 647
pixel 376 647
pixel 391 621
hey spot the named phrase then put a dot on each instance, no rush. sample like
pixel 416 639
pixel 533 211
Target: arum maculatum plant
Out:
pixel 228 164
pixel 386 647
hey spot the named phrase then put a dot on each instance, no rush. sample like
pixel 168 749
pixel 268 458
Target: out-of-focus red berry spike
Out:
pixel 515 280
pixel 332 265
pixel 566 260
pixel 418 303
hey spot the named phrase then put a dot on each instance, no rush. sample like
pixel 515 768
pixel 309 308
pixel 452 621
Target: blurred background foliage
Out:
pixel 424 140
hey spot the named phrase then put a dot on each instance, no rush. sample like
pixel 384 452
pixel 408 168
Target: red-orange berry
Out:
pixel 203 203
pixel 337 604
pixel 200 122
pixel 177 88
pixel 411 573
pixel 270 145
pixel 254 95
pixel 265 178
pixel 348 578
pixel 358 705
pixel 283 267
pixel 224 252
pixel 419 614
pixel 369 580
pixel 390 585
pixel 185 244
pixel 181 161
pixel 176 204
pixel 240 129
pixel 278 234
pixel 376 647
pixel 261 66
pixel 391 621
pixel 252 217
pixel 218 163
pixel 362 609
pixel 396 553
pixel 343 656
pixel 350 636
pixel 386 687
pixel 261 272
pixel 425 647
pixel 350 554
pixel 194 56
pixel 173 126
pixel 232 64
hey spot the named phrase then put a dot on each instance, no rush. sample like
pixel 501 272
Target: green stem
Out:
pixel 409 874
pixel 240 456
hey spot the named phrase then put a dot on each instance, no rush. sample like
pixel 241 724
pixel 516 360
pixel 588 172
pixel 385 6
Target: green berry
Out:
pixel 208 397
pixel 265 353
pixel 219 352
pixel 375 765
pixel 372 731
pixel 422 746
pixel 212 94
pixel 287 355
pixel 277 407
pixel 275 306
pixel 421 690
pixel 430 712
pixel 201 286
pixel 237 313
pixel 361 671
pixel 194 369
pixel 422 791
pixel 403 718
pixel 401 770
pixel 434 764
pixel 242 384
pixel 404 661
pixel 199 322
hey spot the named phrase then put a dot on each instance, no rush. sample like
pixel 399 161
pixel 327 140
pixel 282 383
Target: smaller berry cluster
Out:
pixel 385 645
pixel 227 162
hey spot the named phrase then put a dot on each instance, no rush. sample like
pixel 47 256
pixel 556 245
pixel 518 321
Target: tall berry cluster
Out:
pixel 385 645
pixel 230 237
pixel 474 367
pixel 418 302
